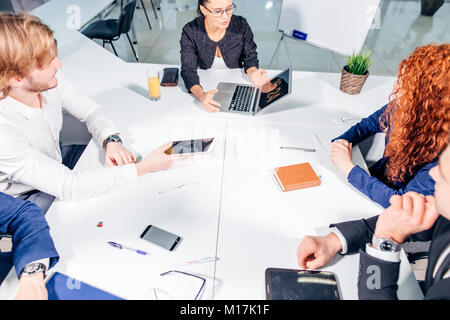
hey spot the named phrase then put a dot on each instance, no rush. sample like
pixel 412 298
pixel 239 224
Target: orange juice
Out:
pixel 154 87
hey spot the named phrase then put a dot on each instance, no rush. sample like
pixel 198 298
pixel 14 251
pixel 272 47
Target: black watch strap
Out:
pixel 112 138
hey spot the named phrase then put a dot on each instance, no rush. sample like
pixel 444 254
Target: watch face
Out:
pixel 33 268
pixel 386 246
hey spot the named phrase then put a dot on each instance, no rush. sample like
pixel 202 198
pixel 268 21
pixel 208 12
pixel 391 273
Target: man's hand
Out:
pixel 341 155
pixel 158 160
pixel 118 155
pixel 257 76
pixel 32 287
pixel 408 214
pixel 315 252
pixel 207 100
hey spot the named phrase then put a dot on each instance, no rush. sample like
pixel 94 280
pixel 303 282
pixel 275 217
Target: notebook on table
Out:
pixel 297 176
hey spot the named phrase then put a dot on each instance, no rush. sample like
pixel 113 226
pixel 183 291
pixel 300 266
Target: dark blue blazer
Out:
pixel 376 186
pixel 30 232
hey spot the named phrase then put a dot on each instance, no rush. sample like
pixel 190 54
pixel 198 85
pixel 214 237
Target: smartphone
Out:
pixel 170 77
pixel 160 237
pixel 291 284
pixel 191 146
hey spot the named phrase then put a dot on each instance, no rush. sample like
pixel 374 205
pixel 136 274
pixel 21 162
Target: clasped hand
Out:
pixel 341 155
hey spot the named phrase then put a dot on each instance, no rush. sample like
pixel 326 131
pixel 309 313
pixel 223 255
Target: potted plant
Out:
pixel 355 73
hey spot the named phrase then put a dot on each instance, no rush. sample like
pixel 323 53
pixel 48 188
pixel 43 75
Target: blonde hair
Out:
pixel 25 44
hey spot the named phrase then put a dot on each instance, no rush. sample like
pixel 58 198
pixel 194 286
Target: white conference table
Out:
pixel 234 210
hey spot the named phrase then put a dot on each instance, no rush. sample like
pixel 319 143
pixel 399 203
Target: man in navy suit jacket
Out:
pixel 33 251
pixel 378 240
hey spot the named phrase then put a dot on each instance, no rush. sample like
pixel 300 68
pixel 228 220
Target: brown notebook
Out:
pixel 297 176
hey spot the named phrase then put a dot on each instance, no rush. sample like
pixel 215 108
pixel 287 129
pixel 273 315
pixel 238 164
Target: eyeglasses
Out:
pixel 219 12
pixel 199 292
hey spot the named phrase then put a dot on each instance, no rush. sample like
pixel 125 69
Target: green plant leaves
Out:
pixel 359 63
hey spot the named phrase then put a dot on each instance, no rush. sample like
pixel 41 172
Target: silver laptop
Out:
pixel 243 98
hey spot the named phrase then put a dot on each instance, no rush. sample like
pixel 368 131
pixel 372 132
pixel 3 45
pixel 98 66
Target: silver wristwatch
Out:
pixel 112 138
pixel 33 268
pixel 387 245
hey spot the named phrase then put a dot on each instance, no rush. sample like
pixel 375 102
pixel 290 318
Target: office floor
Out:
pixel 399 28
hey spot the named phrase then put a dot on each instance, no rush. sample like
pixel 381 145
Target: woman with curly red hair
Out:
pixel 416 122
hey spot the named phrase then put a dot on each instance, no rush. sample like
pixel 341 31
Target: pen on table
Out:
pixel 204 260
pixel 181 186
pixel 298 148
pixel 120 246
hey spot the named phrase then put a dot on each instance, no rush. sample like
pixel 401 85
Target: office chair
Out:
pixel 111 29
pixel 145 11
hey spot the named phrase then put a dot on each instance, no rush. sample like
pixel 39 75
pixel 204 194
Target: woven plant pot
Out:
pixel 352 83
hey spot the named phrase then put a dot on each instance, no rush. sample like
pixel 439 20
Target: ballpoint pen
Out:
pixel 204 260
pixel 298 148
pixel 120 246
pixel 181 186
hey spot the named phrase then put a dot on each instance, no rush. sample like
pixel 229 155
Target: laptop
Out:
pixel 248 99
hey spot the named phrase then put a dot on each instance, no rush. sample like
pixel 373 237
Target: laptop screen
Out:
pixel 274 90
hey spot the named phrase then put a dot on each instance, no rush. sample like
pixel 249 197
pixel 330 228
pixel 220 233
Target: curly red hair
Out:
pixel 418 113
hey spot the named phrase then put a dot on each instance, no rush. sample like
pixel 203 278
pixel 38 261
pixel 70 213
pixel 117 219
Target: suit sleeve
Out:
pixel 358 233
pixel 377 278
pixel 30 232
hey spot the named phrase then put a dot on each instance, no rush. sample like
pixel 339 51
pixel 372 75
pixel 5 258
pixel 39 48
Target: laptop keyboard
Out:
pixel 241 98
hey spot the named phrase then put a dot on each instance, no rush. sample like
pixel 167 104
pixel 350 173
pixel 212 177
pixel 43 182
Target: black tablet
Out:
pixel 291 284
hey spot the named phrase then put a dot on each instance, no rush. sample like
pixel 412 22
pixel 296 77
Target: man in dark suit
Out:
pixel 33 251
pixel 410 217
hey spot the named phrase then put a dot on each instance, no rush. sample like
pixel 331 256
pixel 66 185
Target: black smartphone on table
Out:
pixel 170 77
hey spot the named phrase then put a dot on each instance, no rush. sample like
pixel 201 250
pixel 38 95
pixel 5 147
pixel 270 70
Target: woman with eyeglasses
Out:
pixel 217 39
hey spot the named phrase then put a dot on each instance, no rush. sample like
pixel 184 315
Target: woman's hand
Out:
pixel 208 102
pixel 206 98
pixel 341 155
pixel 257 76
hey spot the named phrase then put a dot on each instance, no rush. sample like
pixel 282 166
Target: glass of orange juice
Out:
pixel 154 83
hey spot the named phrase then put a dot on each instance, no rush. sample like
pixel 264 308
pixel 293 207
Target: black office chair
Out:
pixel 111 29
pixel 145 11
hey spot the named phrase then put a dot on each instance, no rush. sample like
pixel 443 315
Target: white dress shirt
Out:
pixel 30 155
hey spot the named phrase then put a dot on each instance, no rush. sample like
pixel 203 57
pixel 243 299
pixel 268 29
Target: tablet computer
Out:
pixel 291 284
pixel 193 146
pixel 61 287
